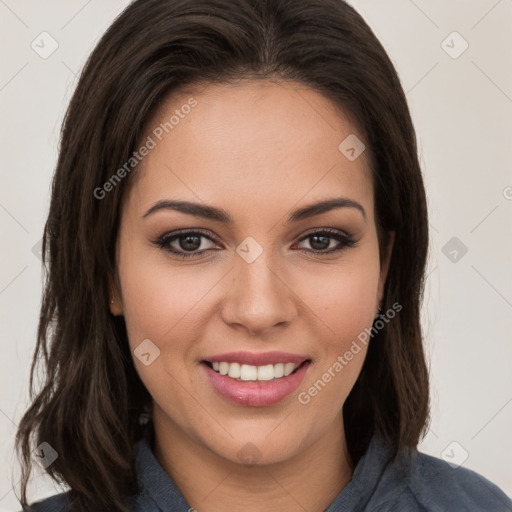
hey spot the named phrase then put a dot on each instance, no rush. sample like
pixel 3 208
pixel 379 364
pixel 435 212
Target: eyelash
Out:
pixel 345 240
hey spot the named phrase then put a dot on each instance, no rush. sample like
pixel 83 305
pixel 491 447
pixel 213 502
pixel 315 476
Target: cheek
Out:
pixel 344 300
pixel 343 295
pixel 160 300
pixel 162 304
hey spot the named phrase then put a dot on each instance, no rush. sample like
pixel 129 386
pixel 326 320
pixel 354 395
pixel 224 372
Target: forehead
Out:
pixel 256 143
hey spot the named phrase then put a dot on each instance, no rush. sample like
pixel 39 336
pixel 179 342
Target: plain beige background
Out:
pixel 459 87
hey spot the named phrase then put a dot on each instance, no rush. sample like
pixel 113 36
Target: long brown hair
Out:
pixel 89 404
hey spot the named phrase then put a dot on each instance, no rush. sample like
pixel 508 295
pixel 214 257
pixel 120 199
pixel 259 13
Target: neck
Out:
pixel 309 481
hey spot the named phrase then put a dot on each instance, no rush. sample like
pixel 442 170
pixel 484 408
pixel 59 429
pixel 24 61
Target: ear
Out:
pixel 384 265
pixel 114 298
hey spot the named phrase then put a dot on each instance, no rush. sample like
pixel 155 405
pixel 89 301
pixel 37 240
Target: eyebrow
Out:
pixel 220 215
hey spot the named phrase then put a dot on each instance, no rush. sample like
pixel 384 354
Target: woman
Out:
pixel 237 242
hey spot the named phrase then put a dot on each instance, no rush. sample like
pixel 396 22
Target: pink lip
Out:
pixel 257 359
pixel 255 394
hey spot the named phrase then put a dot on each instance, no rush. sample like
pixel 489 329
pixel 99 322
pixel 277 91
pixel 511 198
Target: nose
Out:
pixel 258 297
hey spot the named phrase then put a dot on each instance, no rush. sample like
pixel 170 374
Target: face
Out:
pixel 261 285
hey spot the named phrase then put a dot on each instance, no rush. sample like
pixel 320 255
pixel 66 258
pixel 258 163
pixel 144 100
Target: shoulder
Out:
pixel 63 503
pixel 56 503
pixel 155 487
pixel 435 485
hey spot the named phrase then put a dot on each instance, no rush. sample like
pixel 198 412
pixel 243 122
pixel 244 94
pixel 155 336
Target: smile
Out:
pixel 239 378
pixel 249 372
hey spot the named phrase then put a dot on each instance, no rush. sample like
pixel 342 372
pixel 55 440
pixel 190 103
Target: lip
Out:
pixel 252 393
pixel 256 359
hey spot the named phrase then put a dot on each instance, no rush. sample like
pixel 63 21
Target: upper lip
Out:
pixel 257 359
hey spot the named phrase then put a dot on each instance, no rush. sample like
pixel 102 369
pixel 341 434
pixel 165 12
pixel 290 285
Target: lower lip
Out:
pixel 255 394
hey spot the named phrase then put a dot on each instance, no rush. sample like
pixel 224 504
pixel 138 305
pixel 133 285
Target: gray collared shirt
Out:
pixel 420 483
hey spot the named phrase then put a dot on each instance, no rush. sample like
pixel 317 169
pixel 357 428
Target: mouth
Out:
pixel 255 385
pixel 247 372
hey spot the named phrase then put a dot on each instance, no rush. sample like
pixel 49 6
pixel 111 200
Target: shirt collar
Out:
pixel 156 483
pixel 377 478
pixel 372 470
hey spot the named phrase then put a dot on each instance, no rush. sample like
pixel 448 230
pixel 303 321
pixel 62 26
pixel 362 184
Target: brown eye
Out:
pixel 319 241
pixel 188 243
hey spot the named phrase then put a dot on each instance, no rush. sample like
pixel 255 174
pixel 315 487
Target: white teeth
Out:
pixel 266 372
pixel 278 370
pixel 250 372
pixel 223 368
pixel 234 371
pixel 288 368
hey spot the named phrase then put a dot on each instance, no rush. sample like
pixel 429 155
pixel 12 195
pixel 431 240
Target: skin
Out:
pixel 258 150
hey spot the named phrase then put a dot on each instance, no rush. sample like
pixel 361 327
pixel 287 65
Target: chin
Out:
pixel 265 447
